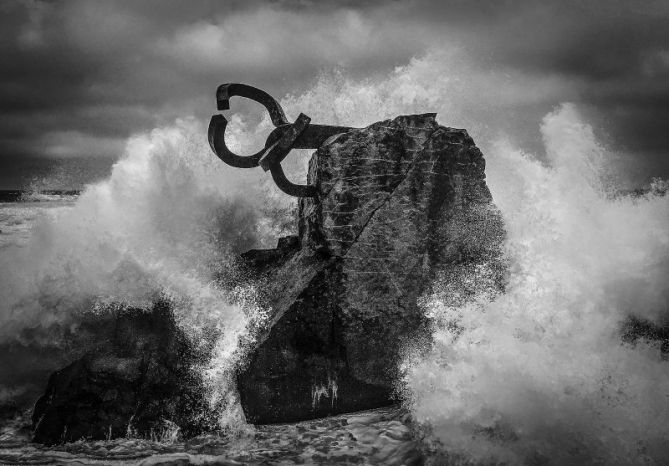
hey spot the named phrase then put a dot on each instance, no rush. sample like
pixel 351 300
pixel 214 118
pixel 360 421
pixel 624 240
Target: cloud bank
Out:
pixel 78 78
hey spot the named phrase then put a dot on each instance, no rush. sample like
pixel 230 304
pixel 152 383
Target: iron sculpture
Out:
pixel 285 137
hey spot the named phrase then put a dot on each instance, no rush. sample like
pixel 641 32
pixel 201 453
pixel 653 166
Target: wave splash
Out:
pixel 539 373
pixel 165 225
pixel 536 374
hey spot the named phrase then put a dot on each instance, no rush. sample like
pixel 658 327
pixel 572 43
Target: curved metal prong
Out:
pixel 216 135
pixel 290 188
pixel 225 91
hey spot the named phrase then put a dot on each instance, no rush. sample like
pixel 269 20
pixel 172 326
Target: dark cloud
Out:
pixel 78 77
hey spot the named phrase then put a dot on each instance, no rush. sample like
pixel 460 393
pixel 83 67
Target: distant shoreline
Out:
pixel 18 195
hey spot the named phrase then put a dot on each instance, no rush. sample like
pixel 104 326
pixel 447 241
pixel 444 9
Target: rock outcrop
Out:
pixel 398 202
pixel 139 381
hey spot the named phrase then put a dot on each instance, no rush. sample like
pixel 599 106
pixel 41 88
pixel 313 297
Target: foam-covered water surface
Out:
pixel 18 218
pixel 376 437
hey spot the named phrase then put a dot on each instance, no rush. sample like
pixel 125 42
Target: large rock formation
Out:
pixel 398 202
pixel 139 381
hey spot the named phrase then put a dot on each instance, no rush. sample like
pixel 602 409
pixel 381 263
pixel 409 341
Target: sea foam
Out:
pixel 539 373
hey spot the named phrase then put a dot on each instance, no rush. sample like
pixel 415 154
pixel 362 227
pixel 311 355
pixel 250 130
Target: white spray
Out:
pixel 166 223
pixel 540 373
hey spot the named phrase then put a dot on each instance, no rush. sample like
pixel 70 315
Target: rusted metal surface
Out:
pixel 284 138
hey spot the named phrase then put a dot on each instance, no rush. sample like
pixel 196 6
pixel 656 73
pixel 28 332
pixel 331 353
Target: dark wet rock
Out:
pixel 635 329
pixel 398 202
pixel 139 381
pixel 262 259
pixel 9 409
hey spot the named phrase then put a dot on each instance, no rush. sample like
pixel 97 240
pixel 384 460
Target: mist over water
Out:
pixel 538 373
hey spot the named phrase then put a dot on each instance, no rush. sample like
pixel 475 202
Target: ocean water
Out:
pixel 539 374
pixel 17 218
pixel 379 437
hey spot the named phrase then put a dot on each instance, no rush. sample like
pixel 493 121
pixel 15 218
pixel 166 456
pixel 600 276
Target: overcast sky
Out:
pixel 79 77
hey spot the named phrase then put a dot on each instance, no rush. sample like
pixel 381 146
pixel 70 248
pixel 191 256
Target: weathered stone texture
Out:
pixel 140 381
pixel 398 201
